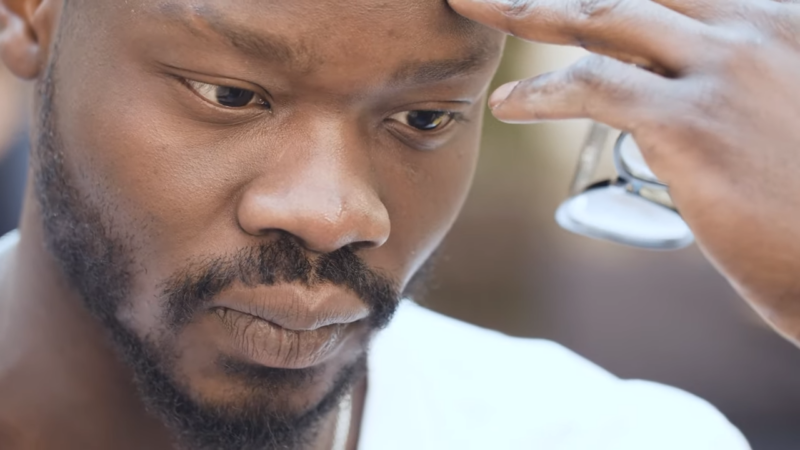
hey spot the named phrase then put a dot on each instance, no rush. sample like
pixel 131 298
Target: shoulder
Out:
pixel 447 343
pixel 665 418
pixel 8 241
pixel 7 245
pixel 542 394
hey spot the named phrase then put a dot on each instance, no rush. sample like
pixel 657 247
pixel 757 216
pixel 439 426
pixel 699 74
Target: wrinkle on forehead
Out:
pixel 476 58
pixel 204 18
pixel 318 21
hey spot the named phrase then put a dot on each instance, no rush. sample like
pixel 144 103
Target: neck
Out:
pixel 55 361
pixel 61 383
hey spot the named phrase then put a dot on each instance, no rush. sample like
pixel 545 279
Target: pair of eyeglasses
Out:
pixel 634 209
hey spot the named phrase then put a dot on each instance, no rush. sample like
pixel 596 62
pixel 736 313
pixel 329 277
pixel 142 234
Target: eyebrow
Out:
pixel 202 19
pixel 298 56
pixel 267 45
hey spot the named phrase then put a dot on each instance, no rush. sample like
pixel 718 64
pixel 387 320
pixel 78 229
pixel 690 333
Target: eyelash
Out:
pixel 454 116
pixel 191 85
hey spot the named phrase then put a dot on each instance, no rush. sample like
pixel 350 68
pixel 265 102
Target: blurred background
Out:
pixel 506 265
pixel 664 316
pixel 14 107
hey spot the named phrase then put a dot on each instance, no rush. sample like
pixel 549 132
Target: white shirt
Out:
pixel 436 383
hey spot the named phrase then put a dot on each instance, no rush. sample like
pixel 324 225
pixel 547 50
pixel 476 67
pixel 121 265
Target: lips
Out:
pixel 288 326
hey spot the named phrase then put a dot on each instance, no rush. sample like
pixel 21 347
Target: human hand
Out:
pixel 716 113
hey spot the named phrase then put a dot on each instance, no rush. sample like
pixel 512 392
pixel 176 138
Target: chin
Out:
pixel 213 400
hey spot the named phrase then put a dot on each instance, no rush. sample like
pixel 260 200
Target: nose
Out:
pixel 325 201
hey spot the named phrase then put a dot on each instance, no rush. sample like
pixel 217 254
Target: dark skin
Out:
pixel 325 153
pixel 716 117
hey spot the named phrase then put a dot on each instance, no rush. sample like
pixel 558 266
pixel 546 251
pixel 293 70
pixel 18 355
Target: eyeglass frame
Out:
pixel 587 166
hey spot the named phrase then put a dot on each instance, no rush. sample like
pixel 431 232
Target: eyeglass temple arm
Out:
pixel 589 157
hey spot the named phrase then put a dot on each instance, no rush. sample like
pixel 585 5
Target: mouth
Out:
pixel 288 327
pixel 272 345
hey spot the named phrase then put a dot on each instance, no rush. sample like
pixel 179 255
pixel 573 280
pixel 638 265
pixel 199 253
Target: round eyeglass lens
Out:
pixel 613 213
pixel 633 160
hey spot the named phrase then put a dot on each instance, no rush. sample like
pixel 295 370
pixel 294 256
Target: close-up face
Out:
pixel 242 190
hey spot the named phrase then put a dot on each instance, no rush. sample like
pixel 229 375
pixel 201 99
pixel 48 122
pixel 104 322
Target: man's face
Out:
pixel 242 189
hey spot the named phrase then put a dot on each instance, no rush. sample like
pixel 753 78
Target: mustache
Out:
pixel 284 260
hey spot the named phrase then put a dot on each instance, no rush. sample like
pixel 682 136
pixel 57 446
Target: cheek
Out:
pixel 424 199
pixel 168 180
pixel 156 192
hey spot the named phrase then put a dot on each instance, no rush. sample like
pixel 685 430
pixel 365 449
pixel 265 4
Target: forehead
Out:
pixel 309 34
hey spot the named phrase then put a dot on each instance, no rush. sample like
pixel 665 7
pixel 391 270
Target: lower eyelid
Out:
pixel 422 138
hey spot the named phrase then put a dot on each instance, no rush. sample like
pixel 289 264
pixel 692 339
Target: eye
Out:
pixel 424 120
pixel 227 96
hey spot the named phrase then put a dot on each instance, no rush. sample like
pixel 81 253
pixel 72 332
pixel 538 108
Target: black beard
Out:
pixel 97 259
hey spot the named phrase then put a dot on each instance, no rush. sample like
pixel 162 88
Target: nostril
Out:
pixel 323 214
pixel 362 245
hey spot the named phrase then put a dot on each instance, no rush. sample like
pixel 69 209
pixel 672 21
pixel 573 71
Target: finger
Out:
pixel 708 10
pixel 634 30
pixel 777 18
pixel 716 11
pixel 596 87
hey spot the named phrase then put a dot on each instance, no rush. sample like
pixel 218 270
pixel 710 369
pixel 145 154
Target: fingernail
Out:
pixel 501 94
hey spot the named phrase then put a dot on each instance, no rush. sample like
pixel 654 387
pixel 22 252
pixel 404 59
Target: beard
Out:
pixel 98 261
